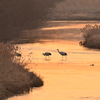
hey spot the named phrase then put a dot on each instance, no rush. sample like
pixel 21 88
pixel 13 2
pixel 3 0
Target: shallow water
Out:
pixel 71 78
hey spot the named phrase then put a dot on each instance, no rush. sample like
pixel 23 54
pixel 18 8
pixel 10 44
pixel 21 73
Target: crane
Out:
pixel 47 54
pixel 62 53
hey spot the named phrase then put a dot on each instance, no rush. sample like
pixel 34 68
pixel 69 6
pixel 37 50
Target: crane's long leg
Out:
pixel 64 57
pixel 46 57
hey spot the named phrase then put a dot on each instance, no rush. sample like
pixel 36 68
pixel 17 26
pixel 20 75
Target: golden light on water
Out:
pixel 67 81
pixel 63 27
pixel 71 78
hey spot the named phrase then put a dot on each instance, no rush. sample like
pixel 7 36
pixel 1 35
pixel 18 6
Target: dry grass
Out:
pixel 91 35
pixel 14 78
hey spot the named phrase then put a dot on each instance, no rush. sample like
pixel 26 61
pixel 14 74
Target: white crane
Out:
pixel 47 54
pixel 62 53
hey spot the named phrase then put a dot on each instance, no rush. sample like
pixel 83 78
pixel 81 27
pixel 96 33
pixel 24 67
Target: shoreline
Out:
pixel 62 74
pixel 10 90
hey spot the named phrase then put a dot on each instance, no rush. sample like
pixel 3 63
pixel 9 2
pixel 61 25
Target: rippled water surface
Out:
pixel 71 78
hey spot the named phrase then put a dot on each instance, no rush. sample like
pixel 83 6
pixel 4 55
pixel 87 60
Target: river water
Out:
pixel 71 78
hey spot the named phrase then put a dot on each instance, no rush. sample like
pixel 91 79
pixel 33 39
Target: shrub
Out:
pixel 14 78
pixel 91 35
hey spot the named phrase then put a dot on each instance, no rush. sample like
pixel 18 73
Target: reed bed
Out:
pixel 91 35
pixel 14 78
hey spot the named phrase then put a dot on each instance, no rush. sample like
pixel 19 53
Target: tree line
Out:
pixel 18 15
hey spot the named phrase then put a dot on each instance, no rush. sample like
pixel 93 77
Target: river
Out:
pixel 71 78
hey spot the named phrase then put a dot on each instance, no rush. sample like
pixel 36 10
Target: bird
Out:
pixel 62 53
pixel 91 64
pixel 47 54
pixel 18 54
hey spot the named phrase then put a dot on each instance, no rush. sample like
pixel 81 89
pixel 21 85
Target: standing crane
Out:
pixel 62 53
pixel 47 54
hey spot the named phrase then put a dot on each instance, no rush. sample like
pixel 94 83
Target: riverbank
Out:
pixel 15 79
pixel 11 88
pixel 71 81
pixel 91 36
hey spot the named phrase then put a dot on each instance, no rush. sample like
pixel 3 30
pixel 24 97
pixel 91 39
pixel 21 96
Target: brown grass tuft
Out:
pixel 91 35
pixel 14 78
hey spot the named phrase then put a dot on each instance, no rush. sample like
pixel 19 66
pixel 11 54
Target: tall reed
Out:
pixel 91 35
pixel 14 78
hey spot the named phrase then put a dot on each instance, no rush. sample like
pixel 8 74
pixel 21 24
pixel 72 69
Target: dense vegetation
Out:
pixel 91 36
pixel 76 10
pixel 19 15
pixel 14 78
pixel 16 16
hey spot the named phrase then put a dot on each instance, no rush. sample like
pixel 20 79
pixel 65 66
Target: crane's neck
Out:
pixel 58 50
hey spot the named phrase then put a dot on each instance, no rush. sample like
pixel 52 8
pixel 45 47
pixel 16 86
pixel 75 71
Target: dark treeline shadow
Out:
pixel 19 15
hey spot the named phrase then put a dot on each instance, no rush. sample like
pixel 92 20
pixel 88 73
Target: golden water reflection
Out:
pixel 73 78
pixel 75 53
pixel 67 81
pixel 63 27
